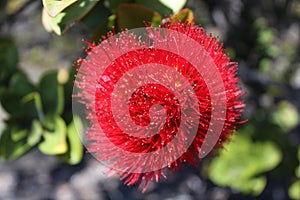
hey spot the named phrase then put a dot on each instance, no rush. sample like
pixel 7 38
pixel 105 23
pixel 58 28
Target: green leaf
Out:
pixel 17 135
pixel 75 152
pixel 157 6
pixel 286 116
pixel 266 36
pixel 175 5
pixel 54 141
pixel 104 28
pixel 294 190
pixel 114 4
pixel 9 149
pixel 130 16
pixel 51 93
pixel 68 17
pixel 240 163
pixel 13 104
pixel 97 16
pixel 35 133
pixel 20 85
pixel 8 58
pixel 2 91
pixel 54 7
pixel 46 21
pixel 297 172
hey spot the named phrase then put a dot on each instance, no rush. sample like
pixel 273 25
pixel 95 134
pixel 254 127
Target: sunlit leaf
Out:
pixel 175 5
pixel 294 190
pixel 46 21
pixel 68 17
pixel 286 116
pixel 54 7
pixel 241 162
pixel 297 172
pixel 35 133
pixel 75 152
pixel 134 16
pixel 17 134
pixel 54 140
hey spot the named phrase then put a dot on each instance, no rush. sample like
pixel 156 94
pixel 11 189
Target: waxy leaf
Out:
pixel 17 135
pixel 175 5
pixel 75 151
pixel 68 17
pixel 54 140
pixel 51 93
pixel 10 149
pixel 8 58
pixel 97 16
pixel 35 133
pixel 54 7
pixel 18 87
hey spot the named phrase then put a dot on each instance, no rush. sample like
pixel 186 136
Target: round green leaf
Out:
pixel 294 190
pixel 286 116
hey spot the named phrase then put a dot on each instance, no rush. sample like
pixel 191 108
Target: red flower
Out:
pixel 156 104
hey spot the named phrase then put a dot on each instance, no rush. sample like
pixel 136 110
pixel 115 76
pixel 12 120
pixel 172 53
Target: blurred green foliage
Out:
pixel 242 163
